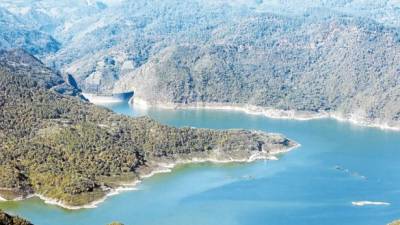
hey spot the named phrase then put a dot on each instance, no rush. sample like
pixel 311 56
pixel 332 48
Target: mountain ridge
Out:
pixel 343 59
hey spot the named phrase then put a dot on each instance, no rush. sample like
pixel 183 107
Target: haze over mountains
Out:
pixel 330 56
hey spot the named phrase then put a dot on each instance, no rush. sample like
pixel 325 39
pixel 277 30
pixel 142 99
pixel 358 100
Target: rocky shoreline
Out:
pixel 158 168
pixel 268 112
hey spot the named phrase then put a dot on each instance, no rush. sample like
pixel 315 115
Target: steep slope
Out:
pixel 63 148
pixel 123 40
pixel 329 57
pixel 339 65
pixel 105 47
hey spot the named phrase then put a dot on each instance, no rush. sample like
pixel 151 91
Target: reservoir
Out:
pixel 342 174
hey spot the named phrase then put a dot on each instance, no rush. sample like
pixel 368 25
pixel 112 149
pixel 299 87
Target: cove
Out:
pixel 337 164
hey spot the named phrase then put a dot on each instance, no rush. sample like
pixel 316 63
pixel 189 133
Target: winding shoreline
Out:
pixel 248 109
pixel 160 168
pixel 268 112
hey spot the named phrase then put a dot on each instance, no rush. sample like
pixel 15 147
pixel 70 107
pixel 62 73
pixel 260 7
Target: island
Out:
pixel 67 151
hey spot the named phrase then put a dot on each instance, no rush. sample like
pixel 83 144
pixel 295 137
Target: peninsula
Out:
pixel 56 145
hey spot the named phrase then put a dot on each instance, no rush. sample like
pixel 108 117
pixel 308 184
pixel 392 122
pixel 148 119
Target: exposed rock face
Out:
pixel 61 147
pixel 6 219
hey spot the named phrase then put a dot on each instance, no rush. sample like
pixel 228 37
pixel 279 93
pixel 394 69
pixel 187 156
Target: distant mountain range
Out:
pixel 16 32
pixel 337 57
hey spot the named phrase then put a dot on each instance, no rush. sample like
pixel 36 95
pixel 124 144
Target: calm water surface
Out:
pixel 315 184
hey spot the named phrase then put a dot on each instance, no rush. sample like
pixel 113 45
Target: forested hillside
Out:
pixel 337 57
pixel 340 65
pixel 6 219
pixel 55 144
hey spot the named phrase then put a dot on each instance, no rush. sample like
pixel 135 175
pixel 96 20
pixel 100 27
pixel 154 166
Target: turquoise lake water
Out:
pixel 315 184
